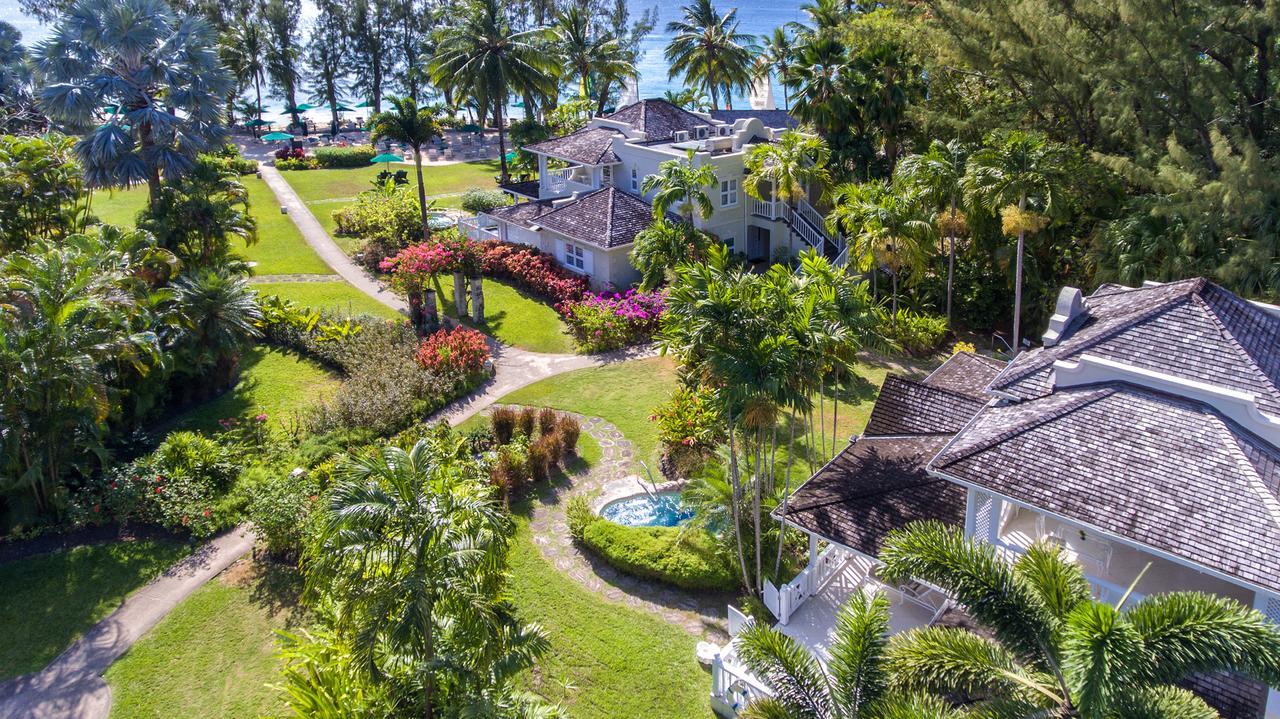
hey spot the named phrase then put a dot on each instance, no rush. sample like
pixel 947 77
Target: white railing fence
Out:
pixel 733 687
pixel 767 209
pixel 480 227
pixel 563 181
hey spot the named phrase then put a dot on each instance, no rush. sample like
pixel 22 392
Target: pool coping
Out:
pixel 630 486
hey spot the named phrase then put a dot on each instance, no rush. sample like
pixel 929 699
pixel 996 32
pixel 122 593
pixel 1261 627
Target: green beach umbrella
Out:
pixel 470 127
pixel 511 156
pixel 386 157
pixel 365 103
pixel 257 122
pixel 277 136
pixel 113 109
pixel 342 108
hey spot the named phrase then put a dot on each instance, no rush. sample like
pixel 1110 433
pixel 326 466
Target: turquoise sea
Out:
pixel 756 16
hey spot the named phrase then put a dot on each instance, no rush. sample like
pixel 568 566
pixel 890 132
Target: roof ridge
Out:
pixel 1088 397
pixel 934 388
pixel 1039 364
pixel 1270 502
pixel 1230 336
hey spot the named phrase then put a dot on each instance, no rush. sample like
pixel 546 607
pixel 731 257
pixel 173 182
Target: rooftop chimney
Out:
pixel 1070 306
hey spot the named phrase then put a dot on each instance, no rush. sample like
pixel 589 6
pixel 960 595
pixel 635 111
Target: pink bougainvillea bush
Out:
pixel 412 268
pixel 531 270
pixel 460 352
pixel 612 320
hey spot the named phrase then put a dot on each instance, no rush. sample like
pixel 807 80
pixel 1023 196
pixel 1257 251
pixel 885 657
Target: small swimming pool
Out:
pixel 663 509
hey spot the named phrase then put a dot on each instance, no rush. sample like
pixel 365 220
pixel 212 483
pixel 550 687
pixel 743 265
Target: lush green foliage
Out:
pixel 344 157
pixel 613 320
pixel 280 507
pixel 919 335
pixel 40 188
pixel 661 246
pixel 709 51
pixel 385 218
pixel 688 558
pixel 476 200
pixel 689 427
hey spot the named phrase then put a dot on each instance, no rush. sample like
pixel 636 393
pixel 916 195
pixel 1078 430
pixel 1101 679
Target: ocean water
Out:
pixel 757 17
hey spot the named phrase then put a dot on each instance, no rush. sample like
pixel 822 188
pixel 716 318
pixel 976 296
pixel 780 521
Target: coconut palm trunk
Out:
pixel 422 193
pixel 951 257
pixel 1017 281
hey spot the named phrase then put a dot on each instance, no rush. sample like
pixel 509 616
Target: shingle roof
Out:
pixel 606 218
pixel 876 485
pixel 657 119
pixel 524 188
pixel 1163 471
pixel 966 373
pixel 523 213
pixel 1192 329
pixel 907 407
pixel 588 146
pixel 1234 696
pixel 772 119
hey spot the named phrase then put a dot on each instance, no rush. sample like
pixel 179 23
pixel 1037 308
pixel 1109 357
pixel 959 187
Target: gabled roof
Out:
pixel 1166 472
pixel 657 119
pixel 523 213
pixel 588 146
pixel 876 485
pixel 772 119
pixel 907 407
pixel 605 218
pixel 1192 329
pixel 966 373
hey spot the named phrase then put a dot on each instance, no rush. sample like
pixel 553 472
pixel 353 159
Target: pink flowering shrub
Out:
pixel 533 271
pixel 412 268
pixel 689 427
pixel 460 352
pixel 612 320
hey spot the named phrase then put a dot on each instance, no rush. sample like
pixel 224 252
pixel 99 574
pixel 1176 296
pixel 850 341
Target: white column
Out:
pixel 542 173
pixel 970 512
pixel 813 549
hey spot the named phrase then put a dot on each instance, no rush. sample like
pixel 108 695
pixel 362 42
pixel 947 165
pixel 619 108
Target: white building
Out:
pixel 1146 431
pixel 587 205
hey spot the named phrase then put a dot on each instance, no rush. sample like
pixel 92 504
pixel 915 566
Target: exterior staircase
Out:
pixel 808 223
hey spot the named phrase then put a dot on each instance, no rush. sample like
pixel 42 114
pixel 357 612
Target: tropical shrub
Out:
pixel 41 188
pixel 689 427
pixel 387 218
pixel 459 352
pixel 963 346
pixel 531 443
pixel 919 335
pixel 547 420
pixel 608 321
pixel 526 421
pixel 476 200
pixel 542 453
pixel 578 516
pixel 344 157
pixel 295 163
pixel 503 420
pixel 531 270
pixel 569 430
pixel 687 558
pixel 280 507
pixel 289 153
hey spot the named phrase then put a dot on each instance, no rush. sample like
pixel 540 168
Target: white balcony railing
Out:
pixel 564 182
pixel 480 227
pixel 768 209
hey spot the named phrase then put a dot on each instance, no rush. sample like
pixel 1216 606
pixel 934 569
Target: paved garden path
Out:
pixel 72 687
pixel 514 367
pixel 702 614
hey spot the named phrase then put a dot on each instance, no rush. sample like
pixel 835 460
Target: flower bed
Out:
pixel 531 270
pixel 609 321
pixel 461 352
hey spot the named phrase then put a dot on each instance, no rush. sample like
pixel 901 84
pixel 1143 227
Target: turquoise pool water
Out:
pixel 664 509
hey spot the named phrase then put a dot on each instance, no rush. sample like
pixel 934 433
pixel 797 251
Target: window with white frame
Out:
pixel 729 192
pixel 729 243
pixel 635 179
pixel 575 257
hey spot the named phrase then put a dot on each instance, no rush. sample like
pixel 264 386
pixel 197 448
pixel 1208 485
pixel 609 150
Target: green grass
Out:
pixel 337 296
pixel 51 599
pixel 280 249
pixel 282 385
pixel 328 190
pixel 213 655
pixel 516 318
pixel 606 659
pixel 623 393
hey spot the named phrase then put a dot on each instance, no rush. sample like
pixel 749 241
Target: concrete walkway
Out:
pixel 71 687
pixel 514 367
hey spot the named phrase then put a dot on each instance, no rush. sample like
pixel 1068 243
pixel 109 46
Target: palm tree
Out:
pixel 689 98
pixel 708 50
pixel 818 75
pixel 1050 649
pixel 585 53
pixel 683 186
pixel 412 548
pixel 788 169
pixel 160 72
pixel 219 318
pixel 484 55
pixel 938 176
pixel 1016 174
pixel 281 18
pixel 777 57
pixel 854 684
pixel 888 228
pixel 663 245
pixel 243 49
pixel 414 126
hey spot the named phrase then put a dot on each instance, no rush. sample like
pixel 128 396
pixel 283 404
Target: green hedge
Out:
pixel 919 335
pixel 687 558
pixel 335 157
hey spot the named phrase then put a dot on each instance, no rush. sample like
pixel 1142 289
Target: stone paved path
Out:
pixel 71 687
pixel 701 614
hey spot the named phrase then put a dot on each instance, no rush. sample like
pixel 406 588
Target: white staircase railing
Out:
pixel 767 209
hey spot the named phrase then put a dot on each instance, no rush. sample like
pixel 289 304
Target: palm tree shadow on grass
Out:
pixel 277 587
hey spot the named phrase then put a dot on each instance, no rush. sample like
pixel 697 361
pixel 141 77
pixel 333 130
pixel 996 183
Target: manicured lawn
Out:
pixel 280 249
pixel 606 659
pixel 282 385
pixel 214 655
pixel 623 393
pixel 337 296
pixel 516 318
pixel 51 599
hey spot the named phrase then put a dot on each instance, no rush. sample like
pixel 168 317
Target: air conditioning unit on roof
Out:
pixel 702 131
pixel 680 136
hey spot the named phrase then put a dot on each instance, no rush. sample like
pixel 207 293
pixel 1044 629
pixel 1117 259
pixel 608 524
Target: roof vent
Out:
pixel 1071 306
